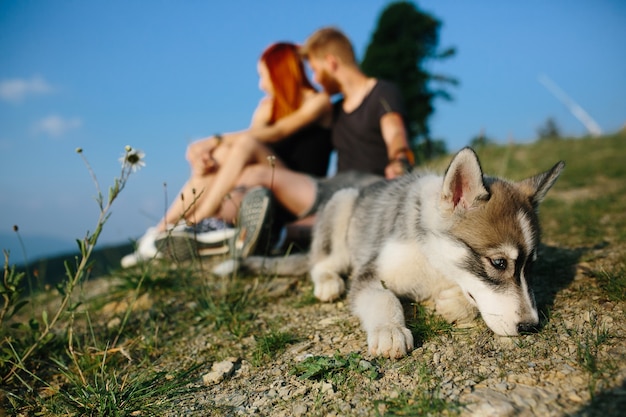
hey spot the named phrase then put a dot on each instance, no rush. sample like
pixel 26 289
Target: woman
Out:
pixel 291 123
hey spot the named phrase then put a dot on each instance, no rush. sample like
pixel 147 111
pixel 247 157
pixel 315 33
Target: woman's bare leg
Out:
pixel 183 206
pixel 203 196
pixel 246 151
pixel 191 195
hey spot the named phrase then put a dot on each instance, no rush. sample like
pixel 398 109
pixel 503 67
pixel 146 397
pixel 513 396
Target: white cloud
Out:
pixel 56 125
pixel 16 90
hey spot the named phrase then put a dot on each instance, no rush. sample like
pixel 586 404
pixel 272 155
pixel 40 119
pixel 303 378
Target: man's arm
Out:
pixel 398 151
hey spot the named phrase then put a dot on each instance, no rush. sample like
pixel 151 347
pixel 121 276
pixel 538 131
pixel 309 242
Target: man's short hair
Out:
pixel 329 40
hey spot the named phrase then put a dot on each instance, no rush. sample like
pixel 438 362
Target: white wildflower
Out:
pixel 133 159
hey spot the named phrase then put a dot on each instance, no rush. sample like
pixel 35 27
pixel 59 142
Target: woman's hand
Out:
pixel 200 155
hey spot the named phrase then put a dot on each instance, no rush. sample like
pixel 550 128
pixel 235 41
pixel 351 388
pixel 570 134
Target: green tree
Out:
pixel 549 130
pixel 481 140
pixel 405 39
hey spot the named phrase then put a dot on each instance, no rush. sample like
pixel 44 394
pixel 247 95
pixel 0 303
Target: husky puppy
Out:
pixel 463 241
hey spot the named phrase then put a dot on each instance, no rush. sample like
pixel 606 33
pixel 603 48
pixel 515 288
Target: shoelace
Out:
pixel 210 224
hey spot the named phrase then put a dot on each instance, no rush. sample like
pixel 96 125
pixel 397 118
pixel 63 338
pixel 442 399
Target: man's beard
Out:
pixel 329 83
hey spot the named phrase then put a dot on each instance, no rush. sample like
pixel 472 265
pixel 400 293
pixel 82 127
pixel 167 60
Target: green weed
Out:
pixel 270 345
pixel 418 403
pixel 425 325
pixel 228 308
pixel 336 369
pixel 421 400
pixel 307 298
pixel 114 387
pixel 10 290
pixel 613 283
pixel 588 341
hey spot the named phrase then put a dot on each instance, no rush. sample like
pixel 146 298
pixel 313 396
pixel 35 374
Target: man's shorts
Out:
pixel 326 187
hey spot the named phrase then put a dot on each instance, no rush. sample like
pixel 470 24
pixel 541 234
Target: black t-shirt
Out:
pixel 357 136
pixel 307 150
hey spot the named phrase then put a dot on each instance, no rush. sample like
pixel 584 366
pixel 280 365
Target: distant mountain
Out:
pixel 36 247
pixel 48 255
pixel 50 269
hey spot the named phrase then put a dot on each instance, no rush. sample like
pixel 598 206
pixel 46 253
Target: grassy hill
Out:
pixel 587 205
pixel 586 208
pixel 139 341
pixel 588 189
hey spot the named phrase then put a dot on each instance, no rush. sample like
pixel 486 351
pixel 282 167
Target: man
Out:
pixel 368 133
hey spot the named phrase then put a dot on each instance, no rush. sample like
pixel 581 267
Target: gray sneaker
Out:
pixel 254 221
pixel 210 236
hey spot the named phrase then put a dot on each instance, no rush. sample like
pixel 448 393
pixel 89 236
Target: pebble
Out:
pixel 300 409
pixel 489 403
pixel 327 388
pixel 329 321
pixel 219 371
pixel 572 396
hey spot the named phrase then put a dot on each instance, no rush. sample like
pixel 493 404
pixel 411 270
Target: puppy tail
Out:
pixel 297 264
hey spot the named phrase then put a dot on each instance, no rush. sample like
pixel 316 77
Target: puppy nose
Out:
pixel 527 328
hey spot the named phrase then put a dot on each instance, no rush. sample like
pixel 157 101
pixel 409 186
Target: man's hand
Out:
pixel 396 168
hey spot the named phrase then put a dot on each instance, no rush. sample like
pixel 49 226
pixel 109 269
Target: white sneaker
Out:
pixel 146 249
pixel 211 236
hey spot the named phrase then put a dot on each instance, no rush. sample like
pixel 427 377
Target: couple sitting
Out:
pixel 285 150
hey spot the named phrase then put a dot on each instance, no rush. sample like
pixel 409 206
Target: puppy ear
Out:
pixel 538 186
pixel 463 185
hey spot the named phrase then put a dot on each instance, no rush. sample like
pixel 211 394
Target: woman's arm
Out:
pixel 200 153
pixel 309 112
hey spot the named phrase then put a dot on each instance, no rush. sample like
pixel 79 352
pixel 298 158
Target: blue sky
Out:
pixel 157 75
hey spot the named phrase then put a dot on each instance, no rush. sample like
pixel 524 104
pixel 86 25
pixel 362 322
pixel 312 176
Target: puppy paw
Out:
pixel 452 305
pixel 390 341
pixel 328 287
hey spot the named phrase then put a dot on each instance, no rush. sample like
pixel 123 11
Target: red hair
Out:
pixel 288 78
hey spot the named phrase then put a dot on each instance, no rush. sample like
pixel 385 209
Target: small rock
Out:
pixel 327 388
pixel 574 397
pixel 219 371
pixel 502 386
pixel 300 409
pixel 114 323
pixel 489 403
pixel 329 320
pixel 364 365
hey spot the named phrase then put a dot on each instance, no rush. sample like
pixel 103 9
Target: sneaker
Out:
pixel 253 222
pixel 146 249
pixel 208 237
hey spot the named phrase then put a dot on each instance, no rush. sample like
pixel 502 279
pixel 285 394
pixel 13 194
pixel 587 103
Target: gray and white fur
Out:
pixel 463 241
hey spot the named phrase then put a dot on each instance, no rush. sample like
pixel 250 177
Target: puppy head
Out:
pixel 496 222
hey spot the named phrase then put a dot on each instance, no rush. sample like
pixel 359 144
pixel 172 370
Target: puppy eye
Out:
pixel 498 263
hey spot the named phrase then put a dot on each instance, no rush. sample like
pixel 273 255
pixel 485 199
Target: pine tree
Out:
pixel 404 40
